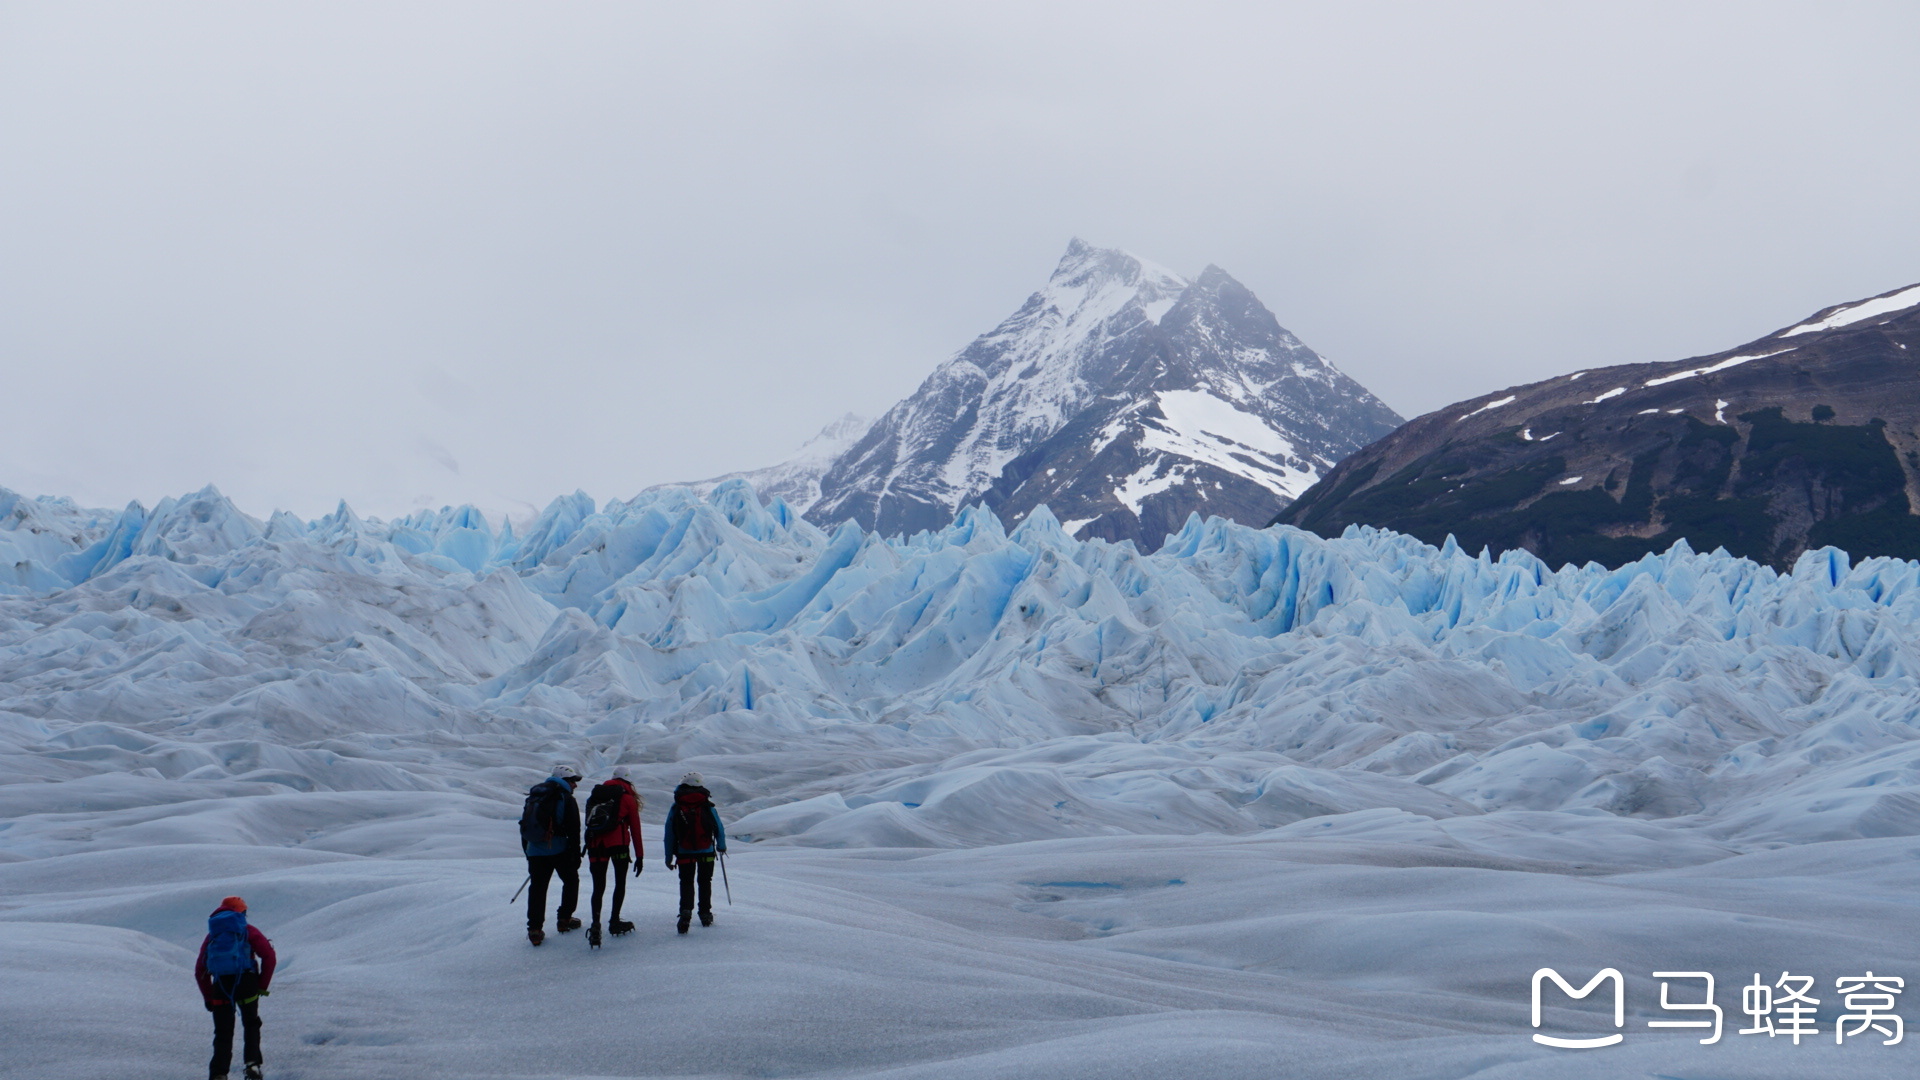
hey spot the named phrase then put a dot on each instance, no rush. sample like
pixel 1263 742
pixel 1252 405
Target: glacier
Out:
pixel 1036 805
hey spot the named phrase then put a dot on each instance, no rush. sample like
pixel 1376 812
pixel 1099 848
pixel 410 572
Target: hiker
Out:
pixel 694 836
pixel 234 969
pixel 612 825
pixel 550 835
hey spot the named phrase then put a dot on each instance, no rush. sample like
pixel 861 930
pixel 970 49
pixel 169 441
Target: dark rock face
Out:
pixel 1807 437
pixel 1120 396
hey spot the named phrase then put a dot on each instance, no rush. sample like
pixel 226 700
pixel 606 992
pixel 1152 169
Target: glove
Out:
pixel 669 862
pixel 211 1005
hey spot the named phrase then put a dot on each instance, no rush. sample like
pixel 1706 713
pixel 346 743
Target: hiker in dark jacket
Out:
pixel 234 970
pixel 609 845
pixel 694 836
pixel 550 835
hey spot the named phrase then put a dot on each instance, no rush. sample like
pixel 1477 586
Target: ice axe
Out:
pixel 521 889
pixel 728 885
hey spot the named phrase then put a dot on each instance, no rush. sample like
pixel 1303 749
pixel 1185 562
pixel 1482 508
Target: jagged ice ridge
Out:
pixel 1237 679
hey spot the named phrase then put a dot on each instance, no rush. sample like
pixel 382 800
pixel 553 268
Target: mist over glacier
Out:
pixel 1258 796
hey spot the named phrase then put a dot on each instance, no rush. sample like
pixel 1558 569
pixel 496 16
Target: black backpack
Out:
pixel 540 817
pixel 603 810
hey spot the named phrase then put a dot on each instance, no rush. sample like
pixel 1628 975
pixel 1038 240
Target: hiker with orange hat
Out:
pixel 234 969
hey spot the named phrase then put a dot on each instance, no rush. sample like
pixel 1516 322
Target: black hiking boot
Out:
pixel 619 927
pixel 566 924
pixel 706 918
pixel 685 921
pixel 253 1071
pixel 536 935
pixel 593 936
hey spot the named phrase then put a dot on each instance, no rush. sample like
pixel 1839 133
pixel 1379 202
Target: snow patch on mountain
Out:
pixel 1199 416
pixel 1207 429
pixel 1135 488
pixel 1860 311
pixel 1154 310
pixel 1494 404
pixel 1729 362
pixel 797 479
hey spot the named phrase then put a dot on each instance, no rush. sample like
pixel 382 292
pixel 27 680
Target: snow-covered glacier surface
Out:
pixel 1012 805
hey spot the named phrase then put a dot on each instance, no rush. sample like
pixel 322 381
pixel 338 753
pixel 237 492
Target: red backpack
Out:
pixel 694 830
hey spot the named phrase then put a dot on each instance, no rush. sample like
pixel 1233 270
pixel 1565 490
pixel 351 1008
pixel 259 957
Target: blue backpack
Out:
pixel 229 953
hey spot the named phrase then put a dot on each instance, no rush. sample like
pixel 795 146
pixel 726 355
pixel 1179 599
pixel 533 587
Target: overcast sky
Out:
pixel 414 254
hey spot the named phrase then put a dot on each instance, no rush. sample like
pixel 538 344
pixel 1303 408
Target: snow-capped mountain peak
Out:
pixel 1122 395
pixel 1093 284
pixel 1042 366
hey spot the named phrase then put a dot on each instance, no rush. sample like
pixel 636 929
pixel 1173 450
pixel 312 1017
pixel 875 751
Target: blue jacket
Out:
pixel 682 797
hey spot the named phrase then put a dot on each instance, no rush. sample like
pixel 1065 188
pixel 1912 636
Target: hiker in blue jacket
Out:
pixel 550 836
pixel 234 969
pixel 694 837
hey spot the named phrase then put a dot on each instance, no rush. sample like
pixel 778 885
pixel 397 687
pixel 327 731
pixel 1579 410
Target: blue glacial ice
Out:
pixel 1235 680
pixel 1256 804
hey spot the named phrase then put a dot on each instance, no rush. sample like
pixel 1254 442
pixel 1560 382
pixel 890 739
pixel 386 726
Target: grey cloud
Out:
pixel 280 248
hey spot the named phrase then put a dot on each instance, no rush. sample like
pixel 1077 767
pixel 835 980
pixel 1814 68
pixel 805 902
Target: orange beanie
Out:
pixel 233 903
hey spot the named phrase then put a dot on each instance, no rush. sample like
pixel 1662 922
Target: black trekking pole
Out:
pixel 521 889
pixel 723 878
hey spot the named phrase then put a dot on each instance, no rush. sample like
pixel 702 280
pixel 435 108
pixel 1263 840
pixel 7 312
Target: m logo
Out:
pixel 1619 1006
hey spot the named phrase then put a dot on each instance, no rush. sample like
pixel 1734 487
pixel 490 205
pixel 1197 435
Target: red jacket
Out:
pixel 262 950
pixel 626 831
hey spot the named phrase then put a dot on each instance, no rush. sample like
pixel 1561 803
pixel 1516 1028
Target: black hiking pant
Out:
pixel 694 867
pixel 599 869
pixel 249 1011
pixel 541 869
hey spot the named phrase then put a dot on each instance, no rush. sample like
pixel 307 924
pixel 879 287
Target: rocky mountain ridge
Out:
pixel 1808 436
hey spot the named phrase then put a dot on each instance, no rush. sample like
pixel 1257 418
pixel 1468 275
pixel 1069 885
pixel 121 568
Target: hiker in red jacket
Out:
pixel 234 970
pixel 612 824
